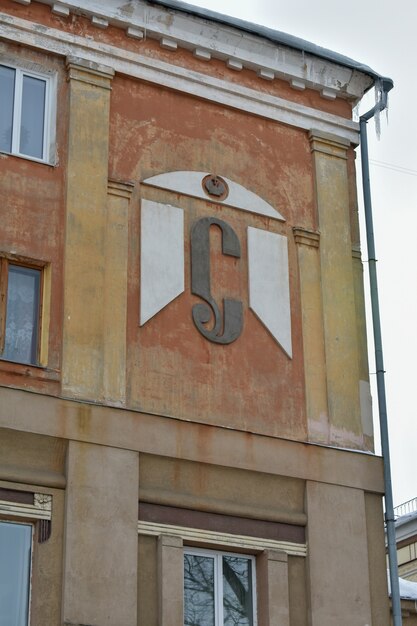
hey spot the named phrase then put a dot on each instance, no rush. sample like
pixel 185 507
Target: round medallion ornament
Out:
pixel 215 187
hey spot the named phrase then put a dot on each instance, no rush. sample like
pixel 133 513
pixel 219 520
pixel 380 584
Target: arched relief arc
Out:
pixel 189 183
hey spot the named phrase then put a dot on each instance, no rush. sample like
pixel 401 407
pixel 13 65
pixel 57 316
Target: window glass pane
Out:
pixel 32 120
pixel 198 590
pixel 237 591
pixel 22 317
pixel 15 549
pixel 7 80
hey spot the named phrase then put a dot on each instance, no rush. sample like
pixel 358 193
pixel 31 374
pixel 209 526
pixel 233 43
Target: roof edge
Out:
pixel 274 36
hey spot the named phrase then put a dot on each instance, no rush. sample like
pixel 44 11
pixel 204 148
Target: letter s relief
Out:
pixel 232 325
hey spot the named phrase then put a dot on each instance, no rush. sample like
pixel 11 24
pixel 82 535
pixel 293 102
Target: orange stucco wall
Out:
pixel 32 222
pixel 172 369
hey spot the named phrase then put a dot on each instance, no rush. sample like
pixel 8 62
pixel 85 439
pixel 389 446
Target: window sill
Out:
pixel 33 372
pixel 4 154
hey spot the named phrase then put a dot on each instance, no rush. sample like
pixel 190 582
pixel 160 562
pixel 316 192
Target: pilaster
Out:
pixel 273 593
pixel 100 541
pixel 115 291
pixel 337 288
pixel 339 591
pixel 308 251
pixel 170 581
pixel 86 229
pixel 364 386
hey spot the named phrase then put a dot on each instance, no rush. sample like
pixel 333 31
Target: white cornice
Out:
pixel 234 46
pixel 175 77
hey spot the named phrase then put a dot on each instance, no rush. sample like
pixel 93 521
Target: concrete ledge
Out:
pixel 69 419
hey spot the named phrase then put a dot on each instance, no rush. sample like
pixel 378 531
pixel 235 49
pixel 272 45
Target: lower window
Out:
pixel 20 311
pixel 15 565
pixel 219 589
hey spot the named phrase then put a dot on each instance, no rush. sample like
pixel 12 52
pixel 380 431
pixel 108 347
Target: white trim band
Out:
pixel 17 30
pixel 205 537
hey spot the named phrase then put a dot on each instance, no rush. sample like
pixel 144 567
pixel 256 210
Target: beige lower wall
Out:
pixel 297 584
pixel 31 458
pixel 106 560
pixel 47 560
pixel 339 578
pixel 272 588
pixel 170 580
pixel 376 559
pixel 219 489
pixel 162 436
pixel 100 546
pixel 147 581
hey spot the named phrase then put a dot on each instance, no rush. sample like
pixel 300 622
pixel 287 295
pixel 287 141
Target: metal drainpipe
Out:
pixel 380 373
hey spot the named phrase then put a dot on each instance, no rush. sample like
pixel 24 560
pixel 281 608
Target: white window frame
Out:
pixel 218 555
pixel 49 112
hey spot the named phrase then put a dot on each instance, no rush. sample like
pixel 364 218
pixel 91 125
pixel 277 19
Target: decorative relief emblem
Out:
pixel 215 186
pixel 42 501
pixel 229 328
pixel 162 259
pixel 193 184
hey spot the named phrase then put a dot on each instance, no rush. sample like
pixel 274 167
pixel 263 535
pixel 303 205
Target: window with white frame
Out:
pixel 219 589
pixel 15 569
pixel 25 113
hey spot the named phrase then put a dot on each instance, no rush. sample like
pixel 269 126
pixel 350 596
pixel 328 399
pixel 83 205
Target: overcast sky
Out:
pixel 380 34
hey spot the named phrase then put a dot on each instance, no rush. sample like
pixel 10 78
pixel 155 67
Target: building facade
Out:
pixel 406 538
pixel 185 420
pixel 406 535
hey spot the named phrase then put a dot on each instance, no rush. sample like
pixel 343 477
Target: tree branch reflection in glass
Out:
pixel 198 590
pixel 237 591
pixel 218 589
